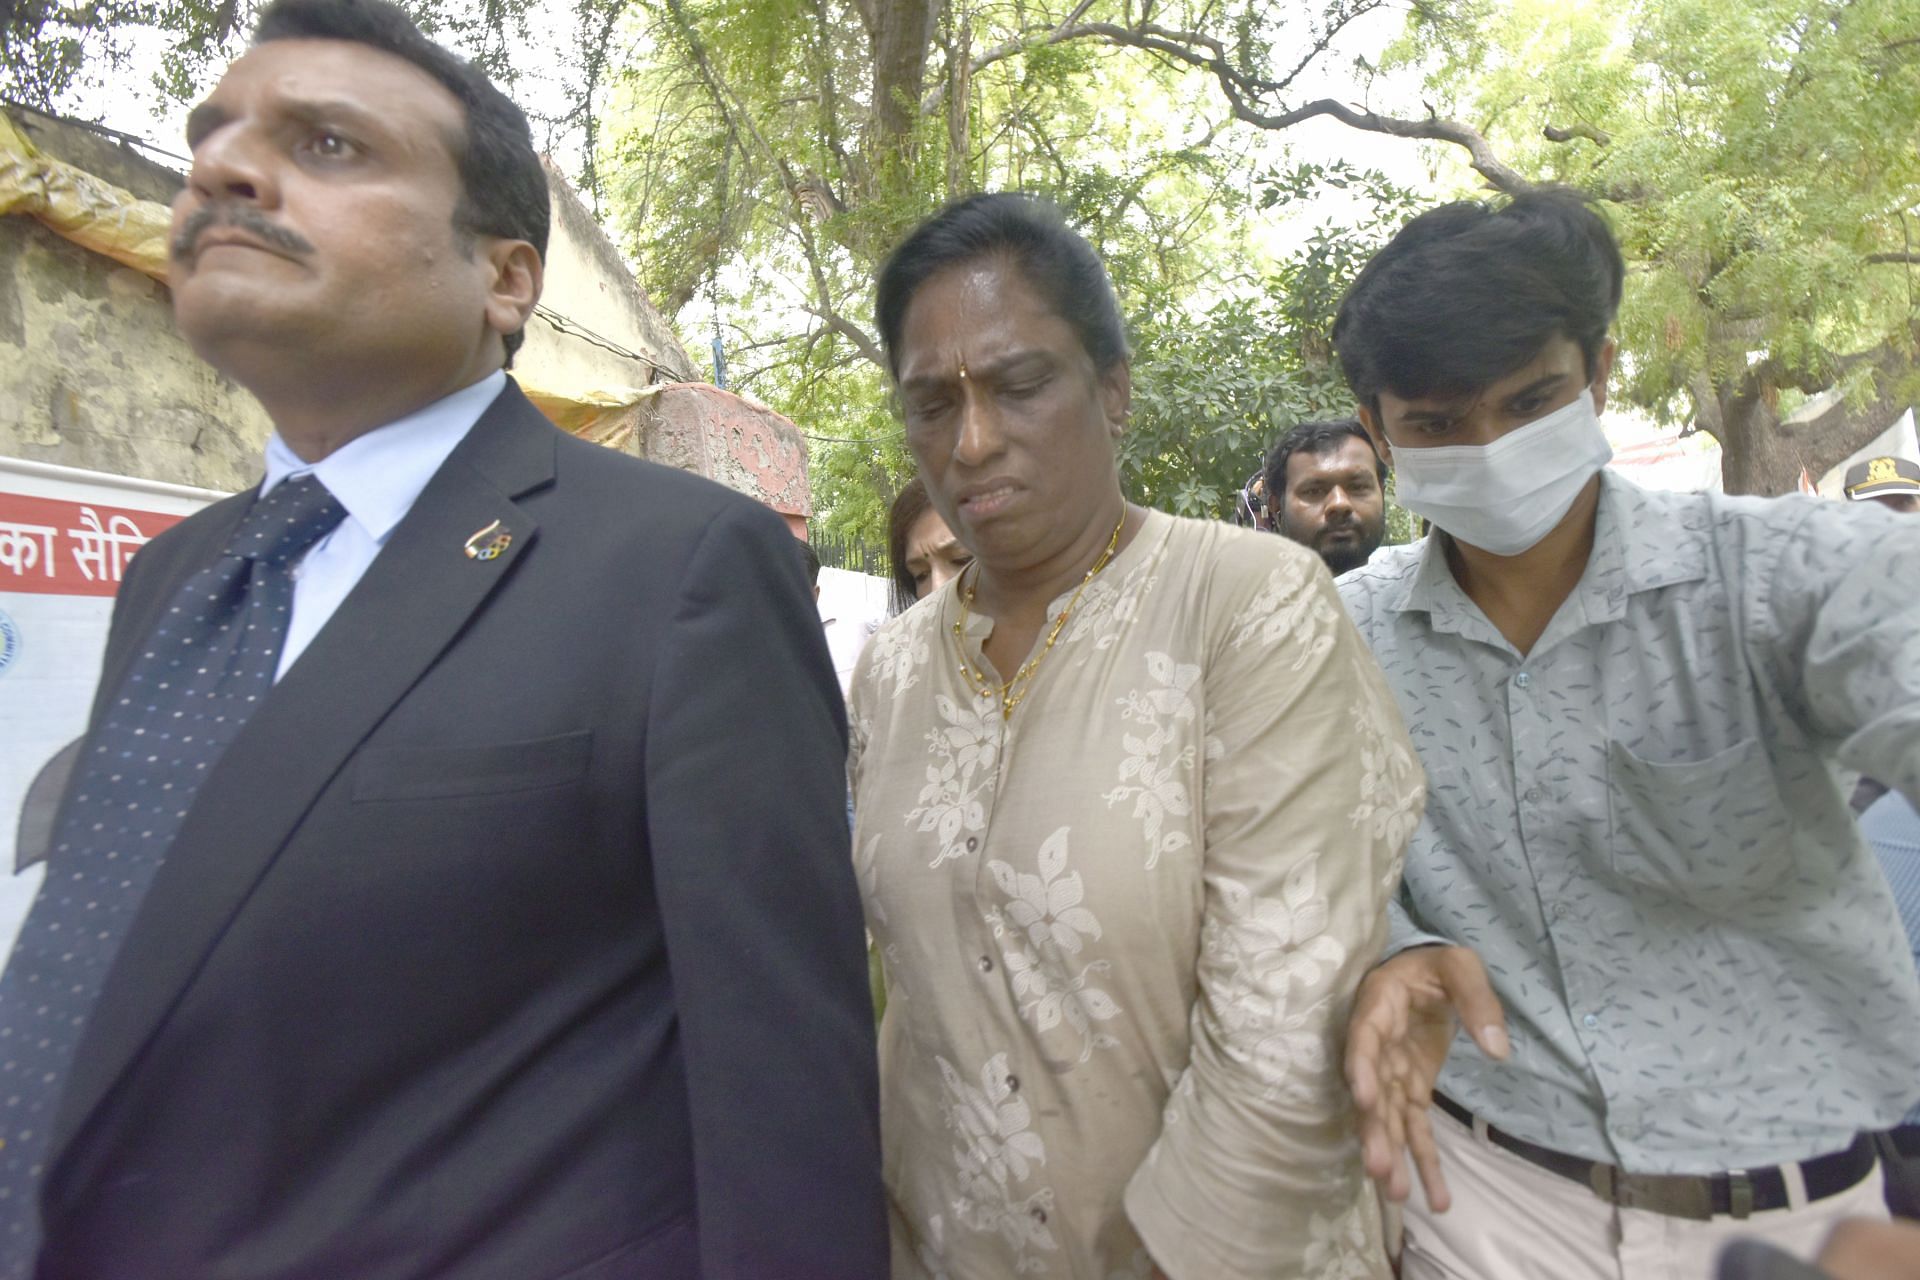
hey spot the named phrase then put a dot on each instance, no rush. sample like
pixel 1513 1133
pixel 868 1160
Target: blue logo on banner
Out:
pixel 9 641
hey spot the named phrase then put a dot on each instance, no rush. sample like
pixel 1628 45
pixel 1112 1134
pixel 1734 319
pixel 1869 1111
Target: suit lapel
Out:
pixel 416 597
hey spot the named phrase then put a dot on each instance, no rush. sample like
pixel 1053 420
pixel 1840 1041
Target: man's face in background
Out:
pixel 1333 503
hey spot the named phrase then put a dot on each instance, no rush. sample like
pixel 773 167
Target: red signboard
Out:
pixel 57 547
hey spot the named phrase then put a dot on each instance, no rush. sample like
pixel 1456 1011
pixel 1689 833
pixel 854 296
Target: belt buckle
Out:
pixel 1676 1196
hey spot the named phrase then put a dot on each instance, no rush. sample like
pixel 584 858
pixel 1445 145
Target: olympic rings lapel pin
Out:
pixel 488 543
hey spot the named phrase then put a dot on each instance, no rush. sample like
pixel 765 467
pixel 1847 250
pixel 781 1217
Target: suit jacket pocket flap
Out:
pixel 423 773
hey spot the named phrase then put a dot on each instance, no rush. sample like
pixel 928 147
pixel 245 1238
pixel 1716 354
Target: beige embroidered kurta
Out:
pixel 1122 930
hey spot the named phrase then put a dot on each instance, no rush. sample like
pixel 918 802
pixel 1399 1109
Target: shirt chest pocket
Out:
pixel 1712 832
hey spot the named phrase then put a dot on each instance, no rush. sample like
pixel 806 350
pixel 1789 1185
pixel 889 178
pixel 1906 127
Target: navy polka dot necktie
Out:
pixel 199 675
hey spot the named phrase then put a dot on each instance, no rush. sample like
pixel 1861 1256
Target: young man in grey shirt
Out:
pixel 1638 882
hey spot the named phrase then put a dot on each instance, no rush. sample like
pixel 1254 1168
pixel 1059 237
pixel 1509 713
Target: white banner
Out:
pixel 65 538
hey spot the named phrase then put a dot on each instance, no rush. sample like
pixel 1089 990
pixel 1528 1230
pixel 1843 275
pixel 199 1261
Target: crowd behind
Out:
pixel 459 877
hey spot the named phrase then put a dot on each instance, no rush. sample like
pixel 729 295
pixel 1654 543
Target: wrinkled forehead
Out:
pixel 976 311
pixel 1344 456
pixel 929 533
pixel 344 79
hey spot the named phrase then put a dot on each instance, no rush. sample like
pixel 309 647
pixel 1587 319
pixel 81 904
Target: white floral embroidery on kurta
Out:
pixel 931 1252
pixel 1285 610
pixel 1153 772
pixel 996 1153
pixel 1175 1117
pixel 965 750
pixel 1042 926
pixel 897 655
pixel 1271 955
pixel 1107 607
pixel 1340 1248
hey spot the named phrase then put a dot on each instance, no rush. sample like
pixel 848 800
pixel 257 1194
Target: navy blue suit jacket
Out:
pixel 516 936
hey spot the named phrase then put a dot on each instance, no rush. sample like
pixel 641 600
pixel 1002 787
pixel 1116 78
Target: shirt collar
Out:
pixel 1641 540
pixel 377 476
pixel 1653 538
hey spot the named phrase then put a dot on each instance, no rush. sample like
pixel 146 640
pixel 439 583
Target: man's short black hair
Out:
pixel 503 186
pixel 1312 438
pixel 812 558
pixel 1467 293
pixel 1053 258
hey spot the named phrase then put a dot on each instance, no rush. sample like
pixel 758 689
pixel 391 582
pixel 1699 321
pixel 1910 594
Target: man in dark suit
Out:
pixel 454 879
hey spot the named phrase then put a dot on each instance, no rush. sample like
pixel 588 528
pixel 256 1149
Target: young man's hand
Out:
pixel 1397 1039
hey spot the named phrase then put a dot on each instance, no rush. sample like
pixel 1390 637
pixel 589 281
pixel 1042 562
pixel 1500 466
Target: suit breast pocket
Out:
pixel 503 768
pixel 1710 832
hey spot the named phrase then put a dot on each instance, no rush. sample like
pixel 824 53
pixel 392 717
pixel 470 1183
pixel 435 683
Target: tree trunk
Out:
pixel 959 114
pixel 1761 454
pixel 901 32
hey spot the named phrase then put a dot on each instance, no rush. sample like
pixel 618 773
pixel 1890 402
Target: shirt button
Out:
pixel 1522 680
pixel 986 964
pixel 1532 796
pixel 1559 910
pixel 972 844
pixel 1590 1021
pixel 1040 1215
pixel 1013 1084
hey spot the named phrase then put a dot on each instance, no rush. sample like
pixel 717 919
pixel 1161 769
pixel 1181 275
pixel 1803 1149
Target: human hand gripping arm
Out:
pixel 747 820
pixel 1311 792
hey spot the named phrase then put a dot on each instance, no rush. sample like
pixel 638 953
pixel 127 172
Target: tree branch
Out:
pixel 862 342
pixel 1553 133
pixel 1481 154
pixel 1244 89
pixel 1892 257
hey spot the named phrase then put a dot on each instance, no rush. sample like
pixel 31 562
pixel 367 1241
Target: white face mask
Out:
pixel 1506 496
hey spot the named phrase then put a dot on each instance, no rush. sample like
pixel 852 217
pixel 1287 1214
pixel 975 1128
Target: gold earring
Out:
pixel 963 371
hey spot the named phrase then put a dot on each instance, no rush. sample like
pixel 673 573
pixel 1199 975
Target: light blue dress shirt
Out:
pixel 376 477
pixel 1642 826
pixel 1892 826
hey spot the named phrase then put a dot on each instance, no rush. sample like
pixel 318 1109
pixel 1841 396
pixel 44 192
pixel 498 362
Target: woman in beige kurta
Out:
pixel 1123 919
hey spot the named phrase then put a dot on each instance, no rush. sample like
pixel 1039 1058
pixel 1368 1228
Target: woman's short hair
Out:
pixel 1467 293
pixel 1053 258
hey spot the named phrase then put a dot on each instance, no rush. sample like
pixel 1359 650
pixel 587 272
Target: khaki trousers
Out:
pixel 1512 1220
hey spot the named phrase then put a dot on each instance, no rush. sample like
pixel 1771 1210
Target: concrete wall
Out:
pixel 93 374
pixel 589 295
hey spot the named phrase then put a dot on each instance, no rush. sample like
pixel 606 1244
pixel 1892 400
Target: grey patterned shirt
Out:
pixel 1642 826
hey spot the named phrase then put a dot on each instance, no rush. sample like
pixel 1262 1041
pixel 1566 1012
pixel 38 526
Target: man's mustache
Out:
pixel 243 217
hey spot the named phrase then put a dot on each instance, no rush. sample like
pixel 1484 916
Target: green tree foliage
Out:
pixel 763 155
pixel 762 158
pixel 1760 161
pixel 1213 390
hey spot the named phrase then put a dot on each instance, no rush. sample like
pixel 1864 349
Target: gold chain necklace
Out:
pixel 1015 689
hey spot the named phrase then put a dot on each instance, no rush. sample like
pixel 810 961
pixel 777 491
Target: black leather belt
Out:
pixel 1681 1195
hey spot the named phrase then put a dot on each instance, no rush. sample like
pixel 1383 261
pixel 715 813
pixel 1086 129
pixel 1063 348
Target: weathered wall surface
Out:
pixel 92 373
pixel 743 445
pixel 591 304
